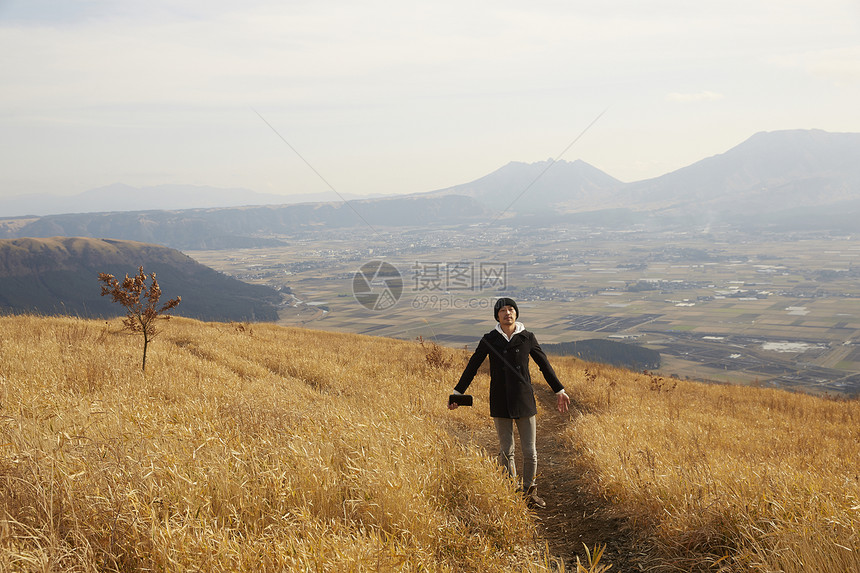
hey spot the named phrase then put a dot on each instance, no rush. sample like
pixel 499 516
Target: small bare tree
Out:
pixel 140 301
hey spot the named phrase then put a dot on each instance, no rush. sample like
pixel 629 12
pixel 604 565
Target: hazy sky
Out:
pixel 395 97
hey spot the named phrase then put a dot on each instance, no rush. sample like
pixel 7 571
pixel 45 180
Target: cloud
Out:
pixel 694 97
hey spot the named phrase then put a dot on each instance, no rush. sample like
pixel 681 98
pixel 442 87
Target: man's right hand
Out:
pixel 562 401
pixel 453 405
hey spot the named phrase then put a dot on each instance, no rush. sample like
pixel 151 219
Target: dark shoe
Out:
pixel 533 499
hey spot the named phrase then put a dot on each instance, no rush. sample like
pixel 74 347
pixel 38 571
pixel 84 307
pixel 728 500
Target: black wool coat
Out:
pixel 511 392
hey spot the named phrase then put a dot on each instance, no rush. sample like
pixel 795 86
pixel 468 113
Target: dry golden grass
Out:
pixel 724 477
pixel 252 447
pixel 242 448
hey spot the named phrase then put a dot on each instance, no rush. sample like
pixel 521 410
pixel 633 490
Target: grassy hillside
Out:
pixel 720 477
pixel 261 448
pixel 60 276
pixel 244 448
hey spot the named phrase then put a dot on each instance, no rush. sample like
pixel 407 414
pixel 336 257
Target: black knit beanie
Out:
pixel 504 302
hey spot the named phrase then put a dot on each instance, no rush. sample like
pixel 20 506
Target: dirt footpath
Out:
pixel 574 519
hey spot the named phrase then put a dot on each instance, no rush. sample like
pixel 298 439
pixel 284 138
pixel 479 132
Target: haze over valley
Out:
pixel 767 309
pixel 738 268
pixel 784 180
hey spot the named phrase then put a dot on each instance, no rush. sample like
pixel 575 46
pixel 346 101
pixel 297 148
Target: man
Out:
pixel 512 398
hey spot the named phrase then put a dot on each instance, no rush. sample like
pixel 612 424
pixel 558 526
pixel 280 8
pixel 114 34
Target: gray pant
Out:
pixel 527 429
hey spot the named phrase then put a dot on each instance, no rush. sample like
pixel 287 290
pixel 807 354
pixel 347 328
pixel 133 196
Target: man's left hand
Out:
pixel 562 402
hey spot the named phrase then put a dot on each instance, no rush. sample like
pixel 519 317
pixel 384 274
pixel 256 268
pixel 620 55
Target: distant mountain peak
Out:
pixel 539 187
pixel 768 172
pixel 776 176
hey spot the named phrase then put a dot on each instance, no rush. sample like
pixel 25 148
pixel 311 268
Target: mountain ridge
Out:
pixel 121 197
pixel 773 161
pixel 779 180
pixel 60 275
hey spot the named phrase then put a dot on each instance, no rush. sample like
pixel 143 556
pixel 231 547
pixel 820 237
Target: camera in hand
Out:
pixel 460 399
